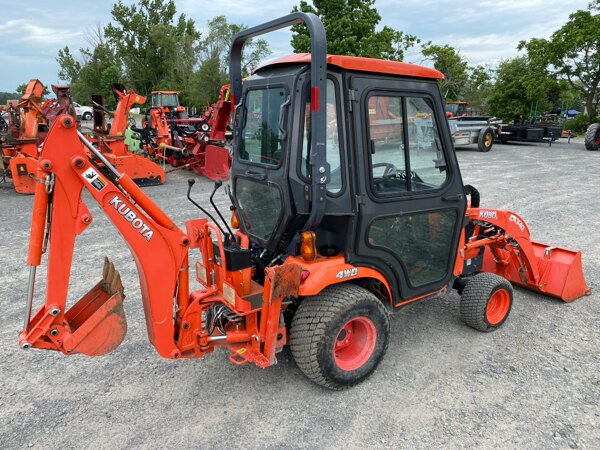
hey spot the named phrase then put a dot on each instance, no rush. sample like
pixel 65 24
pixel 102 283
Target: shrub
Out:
pixel 579 123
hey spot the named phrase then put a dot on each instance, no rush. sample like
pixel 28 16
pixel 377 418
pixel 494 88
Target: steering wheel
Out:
pixel 390 170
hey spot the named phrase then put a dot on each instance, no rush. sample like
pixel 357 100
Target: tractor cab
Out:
pixel 456 109
pixel 169 100
pixel 389 189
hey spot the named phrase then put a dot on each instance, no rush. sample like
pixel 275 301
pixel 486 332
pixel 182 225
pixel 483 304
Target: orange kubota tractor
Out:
pixel 344 214
pixel 169 102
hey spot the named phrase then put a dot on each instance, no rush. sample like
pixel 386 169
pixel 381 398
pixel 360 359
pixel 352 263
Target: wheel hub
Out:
pixel 497 306
pixel 354 343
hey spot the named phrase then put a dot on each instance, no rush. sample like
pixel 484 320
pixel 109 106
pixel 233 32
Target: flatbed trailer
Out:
pixel 480 130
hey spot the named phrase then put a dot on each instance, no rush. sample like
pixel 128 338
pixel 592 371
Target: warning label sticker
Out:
pixel 99 183
pixel 90 174
pixel 92 177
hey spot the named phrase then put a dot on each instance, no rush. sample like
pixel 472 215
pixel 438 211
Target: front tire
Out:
pixel 486 301
pixel 87 116
pixel 339 337
pixel 592 137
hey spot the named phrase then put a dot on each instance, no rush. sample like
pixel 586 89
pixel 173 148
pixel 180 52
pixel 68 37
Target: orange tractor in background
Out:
pixel 169 102
pixel 336 222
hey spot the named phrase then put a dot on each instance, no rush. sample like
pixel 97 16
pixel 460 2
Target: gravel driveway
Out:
pixel 535 383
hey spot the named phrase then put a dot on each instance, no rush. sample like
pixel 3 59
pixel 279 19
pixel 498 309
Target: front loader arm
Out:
pixel 158 247
pixel 502 240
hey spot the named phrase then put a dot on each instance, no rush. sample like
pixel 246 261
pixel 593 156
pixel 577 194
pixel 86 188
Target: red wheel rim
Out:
pixel 497 306
pixel 354 343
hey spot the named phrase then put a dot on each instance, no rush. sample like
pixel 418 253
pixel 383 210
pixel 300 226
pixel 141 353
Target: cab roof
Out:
pixel 363 64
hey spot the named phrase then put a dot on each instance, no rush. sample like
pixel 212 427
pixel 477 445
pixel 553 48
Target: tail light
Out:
pixel 234 220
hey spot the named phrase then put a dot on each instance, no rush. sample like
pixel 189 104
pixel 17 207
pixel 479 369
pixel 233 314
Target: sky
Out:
pixel 484 31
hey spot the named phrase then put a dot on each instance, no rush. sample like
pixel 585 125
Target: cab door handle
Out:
pixel 256 175
pixel 453 198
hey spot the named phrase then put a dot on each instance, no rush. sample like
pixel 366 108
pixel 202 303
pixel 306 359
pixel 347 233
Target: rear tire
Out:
pixel 87 116
pixel 485 141
pixel 339 337
pixel 592 137
pixel 486 301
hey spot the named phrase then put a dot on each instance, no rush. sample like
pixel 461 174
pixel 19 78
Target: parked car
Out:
pixel 83 112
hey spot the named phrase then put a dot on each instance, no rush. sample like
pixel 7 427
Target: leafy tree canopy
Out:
pixel 573 52
pixel 149 47
pixel 454 67
pixel 150 42
pixel 351 30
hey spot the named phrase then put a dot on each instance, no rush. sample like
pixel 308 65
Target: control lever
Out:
pixel 218 184
pixel 191 182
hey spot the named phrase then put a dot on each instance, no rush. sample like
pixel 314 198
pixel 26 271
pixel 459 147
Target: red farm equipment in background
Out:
pixel 20 140
pixel 198 144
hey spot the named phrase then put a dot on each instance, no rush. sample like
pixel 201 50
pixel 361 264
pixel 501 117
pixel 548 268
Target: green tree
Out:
pixel 214 54
pixel 156 49
pixel 95 73
pixel 521 89
pixel 454 67
pixel 207 81
pixel 478 87
pixel 5 96
pixel 573 52
pixel 350 27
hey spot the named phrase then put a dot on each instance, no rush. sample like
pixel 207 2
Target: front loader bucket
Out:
pixel 560 272
pixel 97 320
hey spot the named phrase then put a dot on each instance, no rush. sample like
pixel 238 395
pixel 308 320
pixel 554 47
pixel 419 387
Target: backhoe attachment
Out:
pixel 230 310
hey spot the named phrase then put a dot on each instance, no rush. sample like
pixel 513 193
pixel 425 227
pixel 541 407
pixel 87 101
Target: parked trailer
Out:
pixel 480 130
pixel 536 131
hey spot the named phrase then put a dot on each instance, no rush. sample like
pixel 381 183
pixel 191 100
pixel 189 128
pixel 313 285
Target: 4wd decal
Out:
pixel 131 217
pixel 346 273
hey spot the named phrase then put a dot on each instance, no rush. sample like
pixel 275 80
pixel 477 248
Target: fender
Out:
pixel 323 272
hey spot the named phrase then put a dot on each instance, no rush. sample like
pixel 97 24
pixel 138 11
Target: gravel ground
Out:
pixel 534 383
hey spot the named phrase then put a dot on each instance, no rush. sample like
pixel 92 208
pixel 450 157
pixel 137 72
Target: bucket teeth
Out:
pixel 111 278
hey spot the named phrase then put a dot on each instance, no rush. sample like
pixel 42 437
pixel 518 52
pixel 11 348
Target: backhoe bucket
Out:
pixel 97 320
pixel 560 272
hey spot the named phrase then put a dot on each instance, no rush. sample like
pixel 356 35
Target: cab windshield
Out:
pixel 260 140
pixel 165 100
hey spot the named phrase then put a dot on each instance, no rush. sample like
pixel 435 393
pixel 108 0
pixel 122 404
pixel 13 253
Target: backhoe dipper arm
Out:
pixel 159 248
